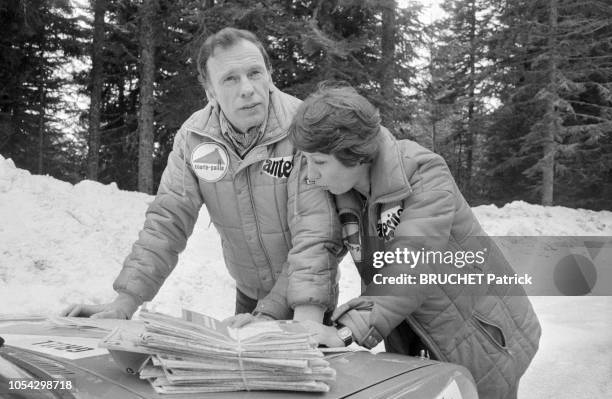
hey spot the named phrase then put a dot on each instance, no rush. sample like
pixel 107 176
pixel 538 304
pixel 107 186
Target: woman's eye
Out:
pixel 255 74
pixel 229 79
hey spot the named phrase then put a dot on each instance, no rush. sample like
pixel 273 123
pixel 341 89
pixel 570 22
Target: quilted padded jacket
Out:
pixel 273 228
pixel 416 205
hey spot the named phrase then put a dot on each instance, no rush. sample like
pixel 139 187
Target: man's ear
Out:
pixel 210 95
pixel 270 83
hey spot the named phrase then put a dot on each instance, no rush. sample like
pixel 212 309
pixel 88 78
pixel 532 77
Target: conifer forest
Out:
pixel 516 95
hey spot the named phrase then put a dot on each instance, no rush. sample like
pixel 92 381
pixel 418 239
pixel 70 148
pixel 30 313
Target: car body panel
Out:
pixel 72 353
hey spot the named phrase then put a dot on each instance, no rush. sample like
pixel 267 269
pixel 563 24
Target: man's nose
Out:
pixel 246 87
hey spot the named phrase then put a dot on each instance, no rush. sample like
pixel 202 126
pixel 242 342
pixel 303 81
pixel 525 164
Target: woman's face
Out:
pixel 329 173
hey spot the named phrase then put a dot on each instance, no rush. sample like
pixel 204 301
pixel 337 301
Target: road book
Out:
pixel 197 354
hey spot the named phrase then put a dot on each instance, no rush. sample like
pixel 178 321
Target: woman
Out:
pixel 394 196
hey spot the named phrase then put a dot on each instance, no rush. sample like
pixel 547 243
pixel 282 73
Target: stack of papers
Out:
pixel 197 354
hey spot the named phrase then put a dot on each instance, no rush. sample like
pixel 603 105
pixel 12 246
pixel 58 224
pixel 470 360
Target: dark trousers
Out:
pixel 405 341
pixel 244 304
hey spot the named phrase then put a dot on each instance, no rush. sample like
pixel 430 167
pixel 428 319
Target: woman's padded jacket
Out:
pixel 416 204
pixel 273 226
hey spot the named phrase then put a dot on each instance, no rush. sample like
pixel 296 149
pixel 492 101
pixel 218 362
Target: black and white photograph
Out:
pixel 306 199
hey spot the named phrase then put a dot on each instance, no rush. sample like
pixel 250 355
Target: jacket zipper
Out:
pixel 263 248
pixel 411 321
pixel 416 327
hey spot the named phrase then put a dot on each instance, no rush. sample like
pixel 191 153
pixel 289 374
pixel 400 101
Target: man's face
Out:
pixel 240 83
pixel 329 173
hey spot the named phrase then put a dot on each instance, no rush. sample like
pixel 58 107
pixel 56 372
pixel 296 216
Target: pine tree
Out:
pixel 555 66
pixel 370 45
pixel 461 53
pixel 307 42
pixel 37 41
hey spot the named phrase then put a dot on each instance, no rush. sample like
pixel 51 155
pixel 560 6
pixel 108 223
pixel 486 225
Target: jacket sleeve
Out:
pixel 425 223
pixel 275 303
pixel 316 242
pixel 169 222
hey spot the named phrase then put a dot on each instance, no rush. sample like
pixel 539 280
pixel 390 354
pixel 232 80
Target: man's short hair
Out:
pixel 225 38
pixel 339 121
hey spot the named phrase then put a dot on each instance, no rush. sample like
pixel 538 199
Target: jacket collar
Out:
pixel 275 125
pixel 388 180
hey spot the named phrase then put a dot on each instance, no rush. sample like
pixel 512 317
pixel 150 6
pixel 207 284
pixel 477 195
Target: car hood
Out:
pixel 49 351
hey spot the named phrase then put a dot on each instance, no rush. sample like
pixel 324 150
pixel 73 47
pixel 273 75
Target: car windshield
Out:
pixel 10 373
pixel 8 370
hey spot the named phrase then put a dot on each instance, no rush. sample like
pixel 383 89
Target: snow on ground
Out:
pixel 61 244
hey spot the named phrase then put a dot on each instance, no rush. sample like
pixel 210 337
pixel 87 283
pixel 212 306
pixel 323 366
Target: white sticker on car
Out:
pixel 65 347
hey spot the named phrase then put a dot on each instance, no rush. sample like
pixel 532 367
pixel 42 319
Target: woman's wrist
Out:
pixel 331 338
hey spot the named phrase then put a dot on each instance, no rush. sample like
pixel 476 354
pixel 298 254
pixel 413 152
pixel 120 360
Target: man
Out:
pixel 280 237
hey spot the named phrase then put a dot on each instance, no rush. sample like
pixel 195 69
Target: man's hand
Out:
pixel 324 335
pixel 242 319
pixel 123 307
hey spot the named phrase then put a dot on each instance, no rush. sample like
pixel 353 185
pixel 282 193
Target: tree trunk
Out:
pixel 459 161
pixel 553 123
pixel 469 133
pixel 433 134
pixel 93 155
pixel 146 126
pixel 41 128
pixel 387 62
pixel 41 114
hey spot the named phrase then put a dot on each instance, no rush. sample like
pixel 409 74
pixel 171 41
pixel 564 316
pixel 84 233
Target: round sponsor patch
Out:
pixel 209 162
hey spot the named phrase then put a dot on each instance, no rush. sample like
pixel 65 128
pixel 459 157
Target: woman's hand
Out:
pixel 324 335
